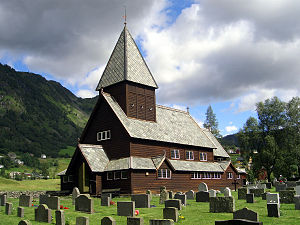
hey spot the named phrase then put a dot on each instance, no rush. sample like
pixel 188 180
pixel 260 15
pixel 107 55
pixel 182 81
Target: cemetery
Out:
pixel 79 208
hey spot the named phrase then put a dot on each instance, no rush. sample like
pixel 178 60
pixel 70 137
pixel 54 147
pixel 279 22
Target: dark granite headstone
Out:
pixel 135 221
pixel 84 203
pixel 171 213
pixel 173 203
pixel 126 208
pixel 250 198
pixel 273 210
pixel 246 214
pixel 42 214
pixel 202 196
pixel 108 220
pixel 221 204
pixel 20 212
pixel 141 200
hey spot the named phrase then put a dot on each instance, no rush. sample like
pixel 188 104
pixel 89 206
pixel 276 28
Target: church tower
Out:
pixel 128 79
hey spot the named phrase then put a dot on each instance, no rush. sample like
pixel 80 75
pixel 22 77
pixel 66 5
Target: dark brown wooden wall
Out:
pixel 150 148
pixel 123 184
pixel 104 119
pixel 118 91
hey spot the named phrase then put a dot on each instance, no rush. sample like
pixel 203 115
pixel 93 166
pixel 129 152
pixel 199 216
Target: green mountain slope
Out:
pixel 38 116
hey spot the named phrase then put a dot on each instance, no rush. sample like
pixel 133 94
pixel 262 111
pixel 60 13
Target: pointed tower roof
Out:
pixel 126 63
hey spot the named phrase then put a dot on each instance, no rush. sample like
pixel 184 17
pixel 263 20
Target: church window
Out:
pixel 124 175
pixel 206 175
pixel 103 135
pixel 110 176
pixel 216 176
pixel 195 175
pixel 117 175
pixel 189 155
pixel 203 156
pixel 175 154
pixel 164 174
pixel 229 175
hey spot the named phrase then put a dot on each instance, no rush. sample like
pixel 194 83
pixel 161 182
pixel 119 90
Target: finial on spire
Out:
pixel 188 109
pixel 125 22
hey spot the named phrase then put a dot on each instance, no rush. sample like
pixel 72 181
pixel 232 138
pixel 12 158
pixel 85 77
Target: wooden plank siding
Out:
pixel 105 119
pixel 123 184
pixel 144 148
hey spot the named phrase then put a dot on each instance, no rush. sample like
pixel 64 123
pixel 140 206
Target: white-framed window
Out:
pixel 103 135
pixel 189 155
pixel 216 176
pixel 229 175
pixel 117 175
pixel 110 176
pixel 206 175
pixel 238 176
pixel 70 178
pixel 195 175
pixel 203 156
pixel 65 179
pixel 164 174
pixel 124 175
pixel 175 154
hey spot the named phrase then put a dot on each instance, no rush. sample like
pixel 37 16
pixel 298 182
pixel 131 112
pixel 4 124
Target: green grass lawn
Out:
pixel 195 213
pixel 69 151
pixel 29 185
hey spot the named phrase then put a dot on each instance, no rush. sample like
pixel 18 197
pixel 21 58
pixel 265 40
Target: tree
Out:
pixel 211 122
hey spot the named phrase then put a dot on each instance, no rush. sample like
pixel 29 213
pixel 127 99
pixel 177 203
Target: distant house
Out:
pixel 43 156
pixel 19 162
pixel 1 166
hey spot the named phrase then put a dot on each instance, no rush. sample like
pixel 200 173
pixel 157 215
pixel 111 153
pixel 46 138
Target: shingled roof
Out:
pixel 173 126
pixel 126 63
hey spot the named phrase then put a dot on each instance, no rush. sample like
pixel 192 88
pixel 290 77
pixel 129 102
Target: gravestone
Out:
pixel 24 222
pixel 164 195
pixel 287 196
pixel 53 202
pixel 273 210
pixel 190 194
pixel 149 192
pixel 20 212
pixel 221 204
pixel 268 185
pixel 202 187
pixel 227 192
pixel 212 193
pixel 25 200
pixel 3 199
pixel 43 199
pixel 141 200
pixel 280 187
pixel 291 183
pixel 135 221
pixel 105 200
pixel 171 213
pixel 60 217
pixel 273 198
pixel 237 222
pixel 84 203
pixel 261 186
pixel 82 220
pixel 75 194
pixel 42 214
pixel 161 222
pixel 257 191
pixel 202 196
pixel 297 189
pixel 246 214
pixel 8 208
pixel 250 198
pixel 297 202
pixel 264 195
pixel 108 220
pixel 171 196
pixel 126 208
pixel 182 197
pixel 173 203
pixel 242 192
pixel 298 183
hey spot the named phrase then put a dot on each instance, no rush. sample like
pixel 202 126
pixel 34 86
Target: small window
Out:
pixel 124 175
pixel 65 179
pixel 206 175
pixel 238 176
pixel 175 154
pixel 117 175
pixel 203 156
pixel 216 176
pixel 189 155
pixel 70 178
pixel 164 174
pixel 229 175
pixel 110 176
pixel 103 135
pixel 195 175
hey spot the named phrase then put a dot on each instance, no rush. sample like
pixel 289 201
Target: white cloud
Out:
pixel 231 128
pixel 86 93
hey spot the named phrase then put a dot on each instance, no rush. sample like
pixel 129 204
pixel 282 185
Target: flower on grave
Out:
pixel 137 212
pixel 66 208
pixel 61 207
pixel 112 203
pixel 181 217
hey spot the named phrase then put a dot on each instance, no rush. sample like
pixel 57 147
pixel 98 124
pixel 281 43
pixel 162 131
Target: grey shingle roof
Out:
pixel 224 164
pixel 126 63
pixel 180 165
pixel 130 163
pixel 219 150
pixel 95 156
pixel 173 126
pixel 61 173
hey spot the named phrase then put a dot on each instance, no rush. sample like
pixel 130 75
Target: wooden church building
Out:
pixel 131 144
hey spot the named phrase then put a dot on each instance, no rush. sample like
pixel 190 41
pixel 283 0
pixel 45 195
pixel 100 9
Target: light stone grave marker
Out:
pixel 202 187
pixel 75 194
pixel 8 208
pixel 42 214
pixel 227 192
pixel 84 203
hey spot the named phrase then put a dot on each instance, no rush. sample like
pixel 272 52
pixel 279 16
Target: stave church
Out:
pixel 130 144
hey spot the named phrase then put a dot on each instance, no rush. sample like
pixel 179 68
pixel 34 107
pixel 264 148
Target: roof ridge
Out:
pixel 172 109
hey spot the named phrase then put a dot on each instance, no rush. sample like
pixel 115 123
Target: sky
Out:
pixel 229 54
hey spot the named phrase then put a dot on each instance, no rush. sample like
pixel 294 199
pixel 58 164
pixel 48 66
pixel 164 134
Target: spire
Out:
pixel 126 63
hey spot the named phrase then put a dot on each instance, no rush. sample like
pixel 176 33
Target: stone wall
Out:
pixel 17 194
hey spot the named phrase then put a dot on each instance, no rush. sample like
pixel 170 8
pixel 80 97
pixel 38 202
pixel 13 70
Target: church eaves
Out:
pixel 126 64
